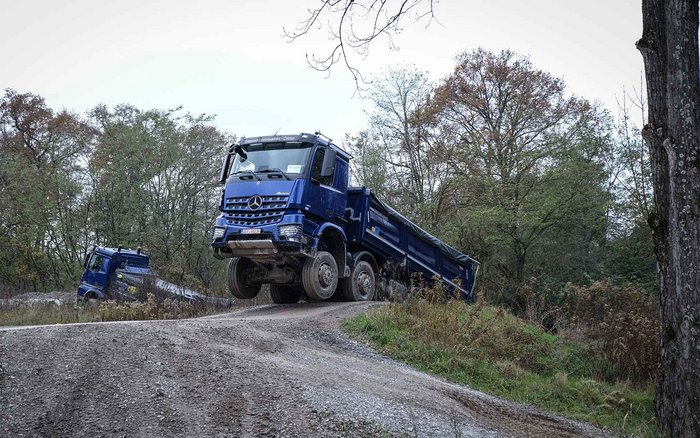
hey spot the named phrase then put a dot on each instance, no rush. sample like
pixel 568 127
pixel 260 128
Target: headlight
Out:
pixel 291 232
pixel 219 232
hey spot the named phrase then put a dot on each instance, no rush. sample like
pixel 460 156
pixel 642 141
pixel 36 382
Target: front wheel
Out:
pixel 320 276
pixel 284 294
pixel 239 269
pixel 361 285
pixel 88 299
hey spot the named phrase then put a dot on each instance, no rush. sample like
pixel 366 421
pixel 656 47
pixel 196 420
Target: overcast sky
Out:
pixel 229 58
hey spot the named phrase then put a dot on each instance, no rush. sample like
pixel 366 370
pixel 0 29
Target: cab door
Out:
pixel 96 271
pixel 325 195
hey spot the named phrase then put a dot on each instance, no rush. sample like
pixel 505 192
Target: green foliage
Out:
pixel 489 349
pixel 629 259
pixel 120 176
pixel 499 161
pixel 41 162
pixel 157 186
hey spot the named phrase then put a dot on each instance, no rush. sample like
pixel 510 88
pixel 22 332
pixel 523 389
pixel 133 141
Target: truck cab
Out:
pixel 107 272
pixel 283 203
pixel 125 275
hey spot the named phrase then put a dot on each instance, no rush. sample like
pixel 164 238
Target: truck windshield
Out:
pixel 289 158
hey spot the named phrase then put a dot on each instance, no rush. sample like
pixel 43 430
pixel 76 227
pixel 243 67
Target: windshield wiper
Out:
pixel 275 169
pixel 246 171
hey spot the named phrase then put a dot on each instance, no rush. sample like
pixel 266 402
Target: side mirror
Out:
pixel 328 167
pixel 224 169
pixel 240 151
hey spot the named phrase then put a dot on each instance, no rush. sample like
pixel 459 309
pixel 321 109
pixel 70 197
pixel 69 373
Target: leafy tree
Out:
pixel 124 176
pixel 368 166
pixel 529 157
pixel 41 174
pixel 154 184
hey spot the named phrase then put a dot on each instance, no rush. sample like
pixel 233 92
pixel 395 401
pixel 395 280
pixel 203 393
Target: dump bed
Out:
pixel 381 230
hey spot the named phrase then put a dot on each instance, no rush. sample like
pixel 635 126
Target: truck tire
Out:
pixel 320 276
pixel 361 285
pixel 238 270
pixel 90 299
pixel 284 294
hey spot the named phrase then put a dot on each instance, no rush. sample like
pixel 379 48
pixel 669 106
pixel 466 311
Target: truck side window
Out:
pixel 96 263
pixel 341 177
pixel 317 166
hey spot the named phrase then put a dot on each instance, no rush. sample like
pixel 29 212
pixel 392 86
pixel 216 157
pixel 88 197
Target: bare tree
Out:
pixel 629 166
pixel 669 46
pixel 354 24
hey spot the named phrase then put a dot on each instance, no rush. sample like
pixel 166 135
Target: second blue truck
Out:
pixel 290 220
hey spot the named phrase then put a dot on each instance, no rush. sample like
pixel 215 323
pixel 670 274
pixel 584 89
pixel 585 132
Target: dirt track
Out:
pixel 263 371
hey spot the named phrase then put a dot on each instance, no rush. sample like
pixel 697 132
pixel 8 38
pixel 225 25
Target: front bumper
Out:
pixel 252 247
pixel 266 240
pixel 260 247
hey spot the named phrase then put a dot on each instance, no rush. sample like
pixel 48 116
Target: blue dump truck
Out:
pixel 289 219
pixel 125 275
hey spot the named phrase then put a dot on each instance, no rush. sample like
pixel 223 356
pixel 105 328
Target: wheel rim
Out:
pixel 325 275
pixel 364 283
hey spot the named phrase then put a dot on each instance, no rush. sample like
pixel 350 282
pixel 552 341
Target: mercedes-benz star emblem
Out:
pixel 255 202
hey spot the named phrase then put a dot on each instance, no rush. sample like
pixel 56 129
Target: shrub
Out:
pixel 624 320
pixel 541 304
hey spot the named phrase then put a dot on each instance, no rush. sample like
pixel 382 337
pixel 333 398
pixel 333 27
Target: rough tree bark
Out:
pixel 669 46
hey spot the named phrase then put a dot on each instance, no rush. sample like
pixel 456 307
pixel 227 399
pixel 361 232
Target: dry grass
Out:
pixel 47 313
pixel 489 349
pixel 624 321
pixel 152 308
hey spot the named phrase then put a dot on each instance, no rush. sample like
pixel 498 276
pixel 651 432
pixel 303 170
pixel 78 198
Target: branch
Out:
pixel 353 25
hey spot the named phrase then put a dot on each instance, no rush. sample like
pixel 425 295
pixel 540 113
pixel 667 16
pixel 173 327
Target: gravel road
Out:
pixel 261 371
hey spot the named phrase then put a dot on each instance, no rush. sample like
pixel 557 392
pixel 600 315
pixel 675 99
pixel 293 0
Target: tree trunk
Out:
pixel 669 46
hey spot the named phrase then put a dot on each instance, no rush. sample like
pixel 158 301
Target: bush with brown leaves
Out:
pixel 624 321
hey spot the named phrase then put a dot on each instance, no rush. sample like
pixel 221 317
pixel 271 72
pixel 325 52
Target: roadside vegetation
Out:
pixel 593 368
pixel 50 313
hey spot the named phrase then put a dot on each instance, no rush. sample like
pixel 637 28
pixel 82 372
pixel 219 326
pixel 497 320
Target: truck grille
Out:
pixel 271 210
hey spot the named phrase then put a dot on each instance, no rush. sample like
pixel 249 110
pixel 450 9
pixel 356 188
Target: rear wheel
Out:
pixel 320 276
pixel 284 294
pixel 239 269
pixel 361 285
